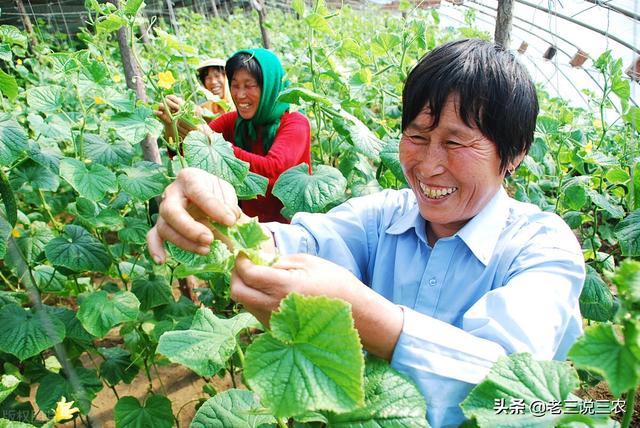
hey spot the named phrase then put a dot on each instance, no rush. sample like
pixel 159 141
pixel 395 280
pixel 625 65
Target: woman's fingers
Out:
pixel 156 246
pixel 215 197
pixel 168 233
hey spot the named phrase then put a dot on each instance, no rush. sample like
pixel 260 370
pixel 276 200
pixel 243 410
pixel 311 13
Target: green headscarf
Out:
pixel 270 110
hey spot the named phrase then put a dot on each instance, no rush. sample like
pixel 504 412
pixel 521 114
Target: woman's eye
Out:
pixel 453 144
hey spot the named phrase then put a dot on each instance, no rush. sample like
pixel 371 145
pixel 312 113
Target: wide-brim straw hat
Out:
pixel 212 62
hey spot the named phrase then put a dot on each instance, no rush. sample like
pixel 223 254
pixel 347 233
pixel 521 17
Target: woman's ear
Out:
pixel 515 163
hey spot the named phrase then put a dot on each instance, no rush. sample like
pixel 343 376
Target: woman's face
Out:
pixel 453 170
pixel 245 93
pixel 214 81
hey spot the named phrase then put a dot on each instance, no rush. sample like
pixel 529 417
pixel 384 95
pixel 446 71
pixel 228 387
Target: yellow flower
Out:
pixel 166 80
pixel 64 410
pixel 125 276
pixel 98 100
pixel 15 233
pixel 117 78
pixel 19 61
pixel 588 147
pixel 99 58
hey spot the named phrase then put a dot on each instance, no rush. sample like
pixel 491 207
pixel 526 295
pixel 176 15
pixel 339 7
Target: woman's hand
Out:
pixel 194 198
pixel 261 288
pixel 173 102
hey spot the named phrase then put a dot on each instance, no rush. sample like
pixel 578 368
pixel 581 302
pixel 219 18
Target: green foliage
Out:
pixel 231 408
pixel 207 345
pixel 27 333
pixel 296 367
pixel 77 189
pixel 300 191
pixel 156 412
pixel 520 377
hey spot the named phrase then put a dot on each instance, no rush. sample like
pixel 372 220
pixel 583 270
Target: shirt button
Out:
pixel 433 282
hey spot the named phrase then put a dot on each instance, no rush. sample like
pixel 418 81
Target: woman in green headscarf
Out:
pixel 262 130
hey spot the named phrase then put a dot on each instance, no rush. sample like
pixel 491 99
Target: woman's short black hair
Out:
pixel 204 71
pixel 494 91
pixel 244 61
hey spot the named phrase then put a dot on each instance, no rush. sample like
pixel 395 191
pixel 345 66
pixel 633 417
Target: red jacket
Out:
pixel 291 147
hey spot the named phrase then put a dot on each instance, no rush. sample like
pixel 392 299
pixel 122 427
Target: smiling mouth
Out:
pixel 436 193
pixel 244 106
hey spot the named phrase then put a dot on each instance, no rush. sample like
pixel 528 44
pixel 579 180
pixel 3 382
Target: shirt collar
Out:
pixel 480 234
pixel 410 219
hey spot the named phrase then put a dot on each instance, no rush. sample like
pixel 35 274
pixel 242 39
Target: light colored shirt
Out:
pixel 508 281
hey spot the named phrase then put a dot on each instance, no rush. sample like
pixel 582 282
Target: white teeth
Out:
pixel 436 193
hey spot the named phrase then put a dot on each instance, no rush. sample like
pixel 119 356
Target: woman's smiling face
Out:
pixel 214 81
pixel 245 93
pixel 453 169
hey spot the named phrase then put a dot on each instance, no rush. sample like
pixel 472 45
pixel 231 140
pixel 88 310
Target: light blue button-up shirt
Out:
pixel 508 281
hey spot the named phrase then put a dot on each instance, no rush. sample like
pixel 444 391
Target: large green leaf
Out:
pixel 215 157
pixel 48 157
pixel 8 86
pixel 601 351
pixel 152 292
pixel 13 36
pixel 519 377
pixel 100 311
pixel 45 99
pixel 48 279
pixel 628 234
pixel 117 366
pixel 134 127
pixel 105 153
pixel 81 386
pixel 8 383
pixel 134 231
pixel 363 140
pixel 156 412
pixel 13 140
pixel 596 301
pixel 232 408
pixel 300 191
pixel 391 400
pixel 74 330
pixel 627 279
pixel 390 157
pixel 604 202
pixel 207 345
pixel 35 175
pixel 143 181
pixel 252 186
pixel 25 333
pixel 78 250
pixel 310 360
pixel 91 181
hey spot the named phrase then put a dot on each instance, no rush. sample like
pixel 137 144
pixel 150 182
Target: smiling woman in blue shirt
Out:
pixel 445 277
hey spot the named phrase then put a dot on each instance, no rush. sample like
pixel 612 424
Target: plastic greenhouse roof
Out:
pixel 568 25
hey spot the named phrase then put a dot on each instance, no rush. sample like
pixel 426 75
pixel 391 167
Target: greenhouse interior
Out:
pixel 320 213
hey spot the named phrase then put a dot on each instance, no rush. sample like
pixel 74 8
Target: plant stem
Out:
pixel 628 414
pixel 240 354
pixel 280 423
pixel 6 281
pixel 44 203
